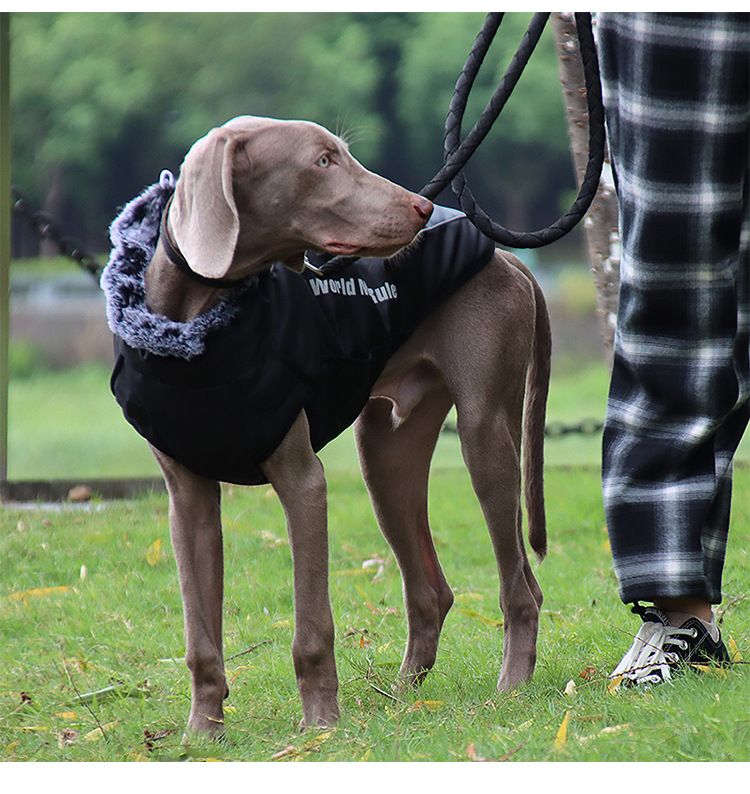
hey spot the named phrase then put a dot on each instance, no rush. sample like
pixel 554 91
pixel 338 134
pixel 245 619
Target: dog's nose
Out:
pixel 423 206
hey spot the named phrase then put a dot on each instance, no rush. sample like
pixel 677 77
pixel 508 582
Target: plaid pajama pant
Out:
pixel 677 102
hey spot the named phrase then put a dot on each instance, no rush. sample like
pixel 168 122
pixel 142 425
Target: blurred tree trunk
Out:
pixel 387 32
pixel 601 222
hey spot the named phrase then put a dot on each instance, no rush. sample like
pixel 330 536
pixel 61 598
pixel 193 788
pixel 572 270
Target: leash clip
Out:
pixel 310 266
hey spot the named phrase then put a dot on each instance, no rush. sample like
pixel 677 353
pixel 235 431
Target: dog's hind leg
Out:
pixel 395 463
pixel 296 474
pixel 485 359
pixel 491 446
pixel 195 527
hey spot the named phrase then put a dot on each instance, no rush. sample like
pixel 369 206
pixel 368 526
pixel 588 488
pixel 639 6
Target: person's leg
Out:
pixel 676 95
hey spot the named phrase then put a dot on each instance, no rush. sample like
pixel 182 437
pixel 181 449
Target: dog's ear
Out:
pixel 203 217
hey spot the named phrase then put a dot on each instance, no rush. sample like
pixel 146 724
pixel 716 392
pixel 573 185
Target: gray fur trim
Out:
pixel 134 235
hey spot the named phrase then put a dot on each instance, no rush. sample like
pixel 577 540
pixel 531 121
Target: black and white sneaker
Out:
pixel 660 648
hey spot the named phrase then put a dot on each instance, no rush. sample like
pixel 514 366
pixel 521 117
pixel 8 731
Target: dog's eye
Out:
pixel 323 161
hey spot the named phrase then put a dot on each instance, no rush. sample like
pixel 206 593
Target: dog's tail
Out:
pixel 535 410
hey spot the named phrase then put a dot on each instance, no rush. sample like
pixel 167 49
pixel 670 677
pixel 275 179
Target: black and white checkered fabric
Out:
pixel 677 97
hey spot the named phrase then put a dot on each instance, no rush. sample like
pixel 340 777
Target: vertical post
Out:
pixel 4 236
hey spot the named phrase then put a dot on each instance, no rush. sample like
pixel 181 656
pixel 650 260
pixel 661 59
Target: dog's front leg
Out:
pixel 195 527
pixel 296 474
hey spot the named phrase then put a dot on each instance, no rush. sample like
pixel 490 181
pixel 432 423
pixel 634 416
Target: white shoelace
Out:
pixel 647 661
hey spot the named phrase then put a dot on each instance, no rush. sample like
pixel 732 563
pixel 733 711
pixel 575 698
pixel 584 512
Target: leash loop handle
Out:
pixel 591 178
pixel 458 152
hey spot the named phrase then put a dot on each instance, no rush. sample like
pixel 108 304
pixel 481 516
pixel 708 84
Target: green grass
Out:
pixel 63 635
pixel 67 424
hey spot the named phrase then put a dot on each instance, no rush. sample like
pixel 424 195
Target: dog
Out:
pixel 225 267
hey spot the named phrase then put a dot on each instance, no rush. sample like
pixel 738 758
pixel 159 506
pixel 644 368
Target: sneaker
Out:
pixel 660 648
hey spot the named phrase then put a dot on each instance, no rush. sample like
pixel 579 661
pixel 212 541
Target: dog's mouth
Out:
pixel 382 251
pixel 342 249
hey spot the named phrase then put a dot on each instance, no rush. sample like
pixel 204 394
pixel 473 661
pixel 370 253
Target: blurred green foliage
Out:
pixel 101 102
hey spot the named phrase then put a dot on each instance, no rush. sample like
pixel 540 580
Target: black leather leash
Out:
pixel 458 152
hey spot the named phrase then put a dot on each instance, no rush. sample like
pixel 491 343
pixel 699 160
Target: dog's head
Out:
pixel 255 191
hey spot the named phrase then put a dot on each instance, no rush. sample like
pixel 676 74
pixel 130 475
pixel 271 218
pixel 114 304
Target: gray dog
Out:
pixel 236 368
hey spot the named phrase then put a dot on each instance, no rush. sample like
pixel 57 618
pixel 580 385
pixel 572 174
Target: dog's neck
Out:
pixel 179 293
pixel 172 288
pixel 172 293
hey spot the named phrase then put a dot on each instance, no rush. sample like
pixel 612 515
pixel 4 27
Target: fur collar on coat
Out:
pixel 134 235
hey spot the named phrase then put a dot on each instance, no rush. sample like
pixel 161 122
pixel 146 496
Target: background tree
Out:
pixel 103 102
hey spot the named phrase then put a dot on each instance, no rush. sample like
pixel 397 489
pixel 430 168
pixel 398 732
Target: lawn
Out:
pixel 91 625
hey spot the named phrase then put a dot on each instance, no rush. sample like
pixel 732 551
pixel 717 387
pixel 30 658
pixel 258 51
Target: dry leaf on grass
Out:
pixel 310 746
pixel 561 739
pixel 38 592
pixel 99 732
pixel 427 705
pixel 153 553
pixel 381 610
pixel 588 672
pixel 285 753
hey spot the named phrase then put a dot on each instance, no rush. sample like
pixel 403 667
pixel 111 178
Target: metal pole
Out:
pixel 4 236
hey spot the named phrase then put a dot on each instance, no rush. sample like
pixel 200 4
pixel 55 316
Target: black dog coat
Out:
pixel 219 393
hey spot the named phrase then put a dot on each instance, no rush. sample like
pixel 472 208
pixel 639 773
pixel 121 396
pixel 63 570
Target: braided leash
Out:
pixel 457 152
